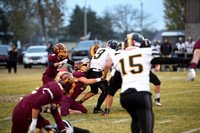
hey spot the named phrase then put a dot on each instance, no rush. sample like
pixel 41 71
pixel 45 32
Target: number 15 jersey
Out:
pixel 134 65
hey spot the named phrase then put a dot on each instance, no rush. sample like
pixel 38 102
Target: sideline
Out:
pixel 180 92
pixel 162 122
pixel 7 118
pixel 122 120
pixel 193 130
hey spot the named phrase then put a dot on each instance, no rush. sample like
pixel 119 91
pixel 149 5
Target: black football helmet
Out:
pixel 120 46
pixel 112 44
pixel 134 39
pixel 147 43
pixel 54 129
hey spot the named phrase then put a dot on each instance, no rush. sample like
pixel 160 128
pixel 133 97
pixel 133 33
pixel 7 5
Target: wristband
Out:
pixel 98 79
pixel 34 121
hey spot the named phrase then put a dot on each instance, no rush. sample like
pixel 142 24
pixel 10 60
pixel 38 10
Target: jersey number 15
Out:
pixel 132 65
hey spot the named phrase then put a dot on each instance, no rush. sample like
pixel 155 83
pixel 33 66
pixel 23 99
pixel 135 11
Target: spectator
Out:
pixel 94 48
pixel 12 59
pixel 159 45
pixel 50 48
pixel 166 50
pixel 156 51
pixel 180 48
pixel 189 45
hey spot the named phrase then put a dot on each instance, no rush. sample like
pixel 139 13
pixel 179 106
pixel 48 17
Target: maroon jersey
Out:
pixel 52 72
pixel 197 45
pixel 80 87
pixel 49 96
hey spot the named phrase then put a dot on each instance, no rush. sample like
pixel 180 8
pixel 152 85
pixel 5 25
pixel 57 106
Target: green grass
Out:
pixel 180 110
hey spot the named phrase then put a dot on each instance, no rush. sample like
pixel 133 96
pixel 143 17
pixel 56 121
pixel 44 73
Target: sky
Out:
pixel 154 8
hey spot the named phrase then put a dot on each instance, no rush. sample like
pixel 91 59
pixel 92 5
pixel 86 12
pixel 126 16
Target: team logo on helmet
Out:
pixel 66 79
pixel 61 51
pixel 79 64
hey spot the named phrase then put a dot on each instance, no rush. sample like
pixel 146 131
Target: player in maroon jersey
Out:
pixel 48 96
pixel 81 81
pixel 194 62
pixel 55 61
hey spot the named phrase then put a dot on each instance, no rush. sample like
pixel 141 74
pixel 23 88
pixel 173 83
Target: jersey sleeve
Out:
pixel 79 74
pixel 52 57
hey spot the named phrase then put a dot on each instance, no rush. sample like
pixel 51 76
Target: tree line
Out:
pixel 44 20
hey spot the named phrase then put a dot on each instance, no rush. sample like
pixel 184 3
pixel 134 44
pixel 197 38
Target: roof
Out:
pixel 173 33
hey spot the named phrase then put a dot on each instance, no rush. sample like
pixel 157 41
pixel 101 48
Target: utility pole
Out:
pixel 141 17
pixel 85 21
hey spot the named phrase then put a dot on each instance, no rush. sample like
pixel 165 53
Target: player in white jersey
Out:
pixel 97 65
pixel 134 65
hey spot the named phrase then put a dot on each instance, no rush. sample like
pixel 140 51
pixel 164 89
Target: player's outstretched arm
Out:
pixel 88 81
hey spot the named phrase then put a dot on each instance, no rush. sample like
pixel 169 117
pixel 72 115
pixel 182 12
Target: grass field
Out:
pixel 180 110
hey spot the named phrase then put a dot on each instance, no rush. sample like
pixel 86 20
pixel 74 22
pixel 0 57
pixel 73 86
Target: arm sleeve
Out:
pixel 70 62
pixel 51 64
pixel 161 60
pixel 58 119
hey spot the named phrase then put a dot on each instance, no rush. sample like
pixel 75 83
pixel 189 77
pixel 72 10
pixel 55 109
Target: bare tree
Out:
pixel 125 18
pixel 50 14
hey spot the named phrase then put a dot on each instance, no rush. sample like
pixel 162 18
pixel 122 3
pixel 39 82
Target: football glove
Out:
pixel 86 60
pixel 64 61
pixel 33 126
pixel 191 75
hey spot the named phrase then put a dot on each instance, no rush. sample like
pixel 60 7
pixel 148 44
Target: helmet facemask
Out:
pixel 62 54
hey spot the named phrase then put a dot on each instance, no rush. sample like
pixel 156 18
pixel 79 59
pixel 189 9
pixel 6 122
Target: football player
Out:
pixel 134 64
pixel 46 97
pixel 195 59
pixel 97 65
pixel 69 105
pixel 55 61
pixel 115 82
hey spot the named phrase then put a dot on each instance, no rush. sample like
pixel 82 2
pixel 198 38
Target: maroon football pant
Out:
pixel 21 121
pixel 69 103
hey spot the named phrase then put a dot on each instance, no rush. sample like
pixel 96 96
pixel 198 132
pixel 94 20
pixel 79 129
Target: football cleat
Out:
pixel 191 75
pixel 157 102
pixel 106 112
pixel 97 110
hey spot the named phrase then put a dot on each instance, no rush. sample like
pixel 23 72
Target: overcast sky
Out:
pixel 154 8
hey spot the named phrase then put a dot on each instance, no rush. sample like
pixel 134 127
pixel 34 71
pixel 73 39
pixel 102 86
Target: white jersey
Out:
pixel 155 50
pixel 113 70
pixel 189 47
pixel 181 48
pixel 134 65
pixel 100 58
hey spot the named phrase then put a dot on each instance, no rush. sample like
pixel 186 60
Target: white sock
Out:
pixel 157 95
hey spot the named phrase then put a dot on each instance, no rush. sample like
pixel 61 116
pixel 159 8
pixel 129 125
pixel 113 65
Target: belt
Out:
pixel 96 70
